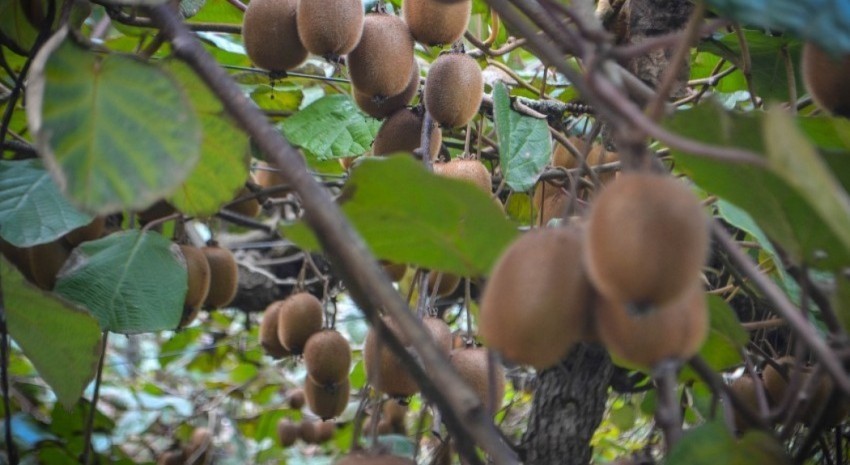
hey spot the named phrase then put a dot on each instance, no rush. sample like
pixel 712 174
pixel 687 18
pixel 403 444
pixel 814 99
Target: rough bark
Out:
pixel 568 406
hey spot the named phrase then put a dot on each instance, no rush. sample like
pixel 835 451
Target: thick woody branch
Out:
pixel 463 412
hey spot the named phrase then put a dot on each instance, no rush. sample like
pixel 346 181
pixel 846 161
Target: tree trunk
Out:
pixel 568 406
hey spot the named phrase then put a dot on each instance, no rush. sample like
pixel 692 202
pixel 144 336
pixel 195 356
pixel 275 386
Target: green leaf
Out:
pixel 224 162
pixel 14 24
pixel 524 143
pixel 332 127
pixel 831 135
pixel 116 132
pixel 131 281
pixel 218 11
pixel 32 210
pixel 711 444
pixel 408 215
pixel 61 341
pixel 808 216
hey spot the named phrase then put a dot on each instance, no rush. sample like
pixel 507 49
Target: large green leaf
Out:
pixel 525 146
pixel 711 444
pixel 224 151
pixel 32 210
pixel 14 24
pixel 332 127
pixel 831 135
pixel 61 341
pixel 794 199
pixel 131 281
pixel 116 132
pixel 408 215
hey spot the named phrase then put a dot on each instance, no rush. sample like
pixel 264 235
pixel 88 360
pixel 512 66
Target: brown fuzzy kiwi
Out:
pixel 745 388
pixel 295 398
pixel 89 232
pixel 172 457
pixel 402 132
pixel 268 332
pixel 198 270
pixel 249 207
pixel 299 317
pixel 647 239
pixel 157 211
pixel 381 107
pixel 776 385
pixel 467 170
pixel 266 177
pixel 386 372
pixel 440 332
pixel 328 400
pixel 382 62
pixel 19 257
pixel 287 432
pixel 394 271
pixel 447 285
pixel 536 304
pixel 472 366
pixel 435 23
pixel 453 89
pixel 776 381
pixel 224 276
pixel 329 28
pixel 826 78
pixel 200 448
pixel 672 331
pixel 366 458
pixel 45 261
pixel 561 157
pixel 394 413
pixel 317 432
pixel 549 201
pixel 270 34
pixel 327 357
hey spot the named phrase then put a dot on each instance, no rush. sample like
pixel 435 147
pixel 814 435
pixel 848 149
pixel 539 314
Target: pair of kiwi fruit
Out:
pixel 454 89
pixel 402 132
pixel 198 451
pixel 287 324
pixel 825 77
pixel 434 22
pixel 327 356
pixel 311 432
pixel 213 279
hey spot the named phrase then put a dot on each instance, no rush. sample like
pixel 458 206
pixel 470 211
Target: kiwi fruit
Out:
pixel 745 388
pixel 267 177
pixel 549 201
pixel 270 34
pixel 296 399
pixel 563 158
pixel 287 432
pixel 472 366
pixel 402 132
pixel 394 271
pixel 224 276
pixel 447 285
pixel 19 257
pixel 381 107
pixel 433 22
pixel 776 384
pixel 674 330
pixel 825 77
pixel 172 457
pixel 317 432
pixel 453 89
pixel 365 458
pixel 157 211
pixel 299 317
pixel 647 239
pixel 329 28
pixel 386 372
pixel 326 400
pixel 89 232
pixel 268 332
pixel 198 270
pixel 199 450
pixel 45 261
pixel 249 207
pixel 440 332
pixel 327 357
pixel 382 62
pixel 536 304
pixel 394 414
pixel 467 170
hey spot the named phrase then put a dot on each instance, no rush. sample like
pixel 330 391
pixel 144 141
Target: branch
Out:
pixel 463 412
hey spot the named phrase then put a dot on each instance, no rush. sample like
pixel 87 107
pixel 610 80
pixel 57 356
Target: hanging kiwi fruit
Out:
pixel 249 207
pixel 453 89
pixel 825 77
pixel 433 22
pixel 647 240
pixel 536 304
pixel 386 372
pixel 402 132
pixel 382 62
pixel 287 432
pixel 394 271
pixel 466 170
pixel 329 28
pixel 44 262
pixel 270 34
pixel 327 357
pixel 745 388
pixel 326 400
pixel 473 367
pixel 447 285
pixel 199 278
pixel 549 202
pixel 440 332
pixel 299 317
pixel 224 276
pixel 380 107
pixel 317 432
pixel 268 332
pixel 89 232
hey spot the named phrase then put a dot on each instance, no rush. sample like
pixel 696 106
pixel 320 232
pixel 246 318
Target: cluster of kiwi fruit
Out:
pixel 825 77
pixel 213 279
pixel 630 276
pixel 198 451
pixel 309 431
pixel 293 326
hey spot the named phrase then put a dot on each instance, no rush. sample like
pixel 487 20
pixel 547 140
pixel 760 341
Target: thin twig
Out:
pixel 84 457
